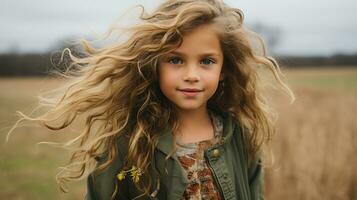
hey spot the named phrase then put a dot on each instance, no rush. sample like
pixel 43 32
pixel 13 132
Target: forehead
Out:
pixel 202 40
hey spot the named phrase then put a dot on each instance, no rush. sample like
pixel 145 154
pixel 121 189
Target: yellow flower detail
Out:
pixel 136 178
pixel 135 174
pixel 121 175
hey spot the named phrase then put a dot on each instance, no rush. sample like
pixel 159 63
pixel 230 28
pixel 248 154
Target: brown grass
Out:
pixel 315 146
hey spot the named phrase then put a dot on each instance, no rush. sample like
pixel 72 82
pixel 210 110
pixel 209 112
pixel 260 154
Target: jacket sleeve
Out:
pixel 256 180
pixel 102 184
pixel 91 194
pixel 255 169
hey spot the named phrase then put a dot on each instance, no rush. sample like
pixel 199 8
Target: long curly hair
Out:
pixel 116 87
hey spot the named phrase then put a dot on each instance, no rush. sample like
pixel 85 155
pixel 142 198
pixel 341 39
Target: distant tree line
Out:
pixel 24 64
pixel 14 64
pixel 43 64
pixel 319 61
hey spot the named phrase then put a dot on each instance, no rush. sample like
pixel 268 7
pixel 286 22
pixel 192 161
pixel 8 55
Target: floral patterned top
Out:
pixel 191 156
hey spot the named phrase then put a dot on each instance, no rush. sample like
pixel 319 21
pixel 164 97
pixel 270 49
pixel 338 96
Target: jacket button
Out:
pixel 216 153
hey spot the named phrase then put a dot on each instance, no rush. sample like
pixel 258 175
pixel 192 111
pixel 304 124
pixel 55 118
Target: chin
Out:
pixel 189 106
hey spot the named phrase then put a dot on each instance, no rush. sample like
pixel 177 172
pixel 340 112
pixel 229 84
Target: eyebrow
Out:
pixel 201 55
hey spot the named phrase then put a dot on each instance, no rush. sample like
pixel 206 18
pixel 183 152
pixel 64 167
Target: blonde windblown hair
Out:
pixel 117 88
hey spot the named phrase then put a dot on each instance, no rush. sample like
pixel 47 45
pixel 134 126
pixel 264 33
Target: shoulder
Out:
pixel 121 150
pixel 121 146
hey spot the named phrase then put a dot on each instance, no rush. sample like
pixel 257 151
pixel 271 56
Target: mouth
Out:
pixel 190 92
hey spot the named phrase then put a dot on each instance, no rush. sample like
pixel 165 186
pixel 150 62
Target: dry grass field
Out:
pixel 316 143
pixel 315 147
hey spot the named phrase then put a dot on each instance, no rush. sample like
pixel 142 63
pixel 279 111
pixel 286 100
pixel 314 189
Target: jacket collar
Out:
pixel 165 143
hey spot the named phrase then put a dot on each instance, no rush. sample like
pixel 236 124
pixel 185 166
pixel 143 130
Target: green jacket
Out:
pixel 236 180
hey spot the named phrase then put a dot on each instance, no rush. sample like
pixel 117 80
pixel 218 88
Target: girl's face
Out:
pixel 189 75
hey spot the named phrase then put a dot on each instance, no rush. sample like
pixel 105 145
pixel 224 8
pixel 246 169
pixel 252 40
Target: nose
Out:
pixel 191 73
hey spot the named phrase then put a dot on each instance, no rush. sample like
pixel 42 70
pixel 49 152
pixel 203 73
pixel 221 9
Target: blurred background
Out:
pixel 314 41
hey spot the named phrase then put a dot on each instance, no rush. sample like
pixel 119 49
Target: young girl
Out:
pixel 174 112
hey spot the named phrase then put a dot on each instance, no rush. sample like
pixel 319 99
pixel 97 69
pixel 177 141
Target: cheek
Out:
pixel 166 78
pixel 212 78
pixel 211 82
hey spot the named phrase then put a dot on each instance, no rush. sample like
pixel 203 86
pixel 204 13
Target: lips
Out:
pixel 190 90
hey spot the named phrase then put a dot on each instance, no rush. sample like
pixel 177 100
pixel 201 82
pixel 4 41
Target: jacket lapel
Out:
pixel 175 180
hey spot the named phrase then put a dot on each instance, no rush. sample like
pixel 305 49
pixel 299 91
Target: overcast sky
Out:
pixel 315 27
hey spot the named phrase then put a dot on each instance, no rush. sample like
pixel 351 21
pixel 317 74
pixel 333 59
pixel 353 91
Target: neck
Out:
pixel 192 116
pixel 193 121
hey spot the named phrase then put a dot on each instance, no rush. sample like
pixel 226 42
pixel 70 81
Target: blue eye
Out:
pixel 175 60
pixel 207 61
